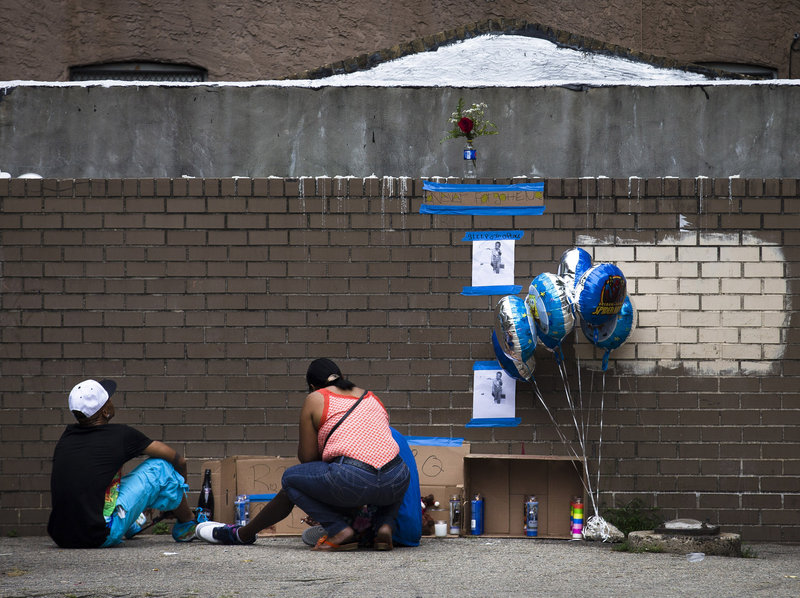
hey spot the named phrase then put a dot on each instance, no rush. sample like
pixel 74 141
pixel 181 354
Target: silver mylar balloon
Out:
pixel 514 329
pixel 573 263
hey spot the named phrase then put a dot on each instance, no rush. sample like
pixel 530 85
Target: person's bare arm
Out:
pixel 159 450
pixel 310 416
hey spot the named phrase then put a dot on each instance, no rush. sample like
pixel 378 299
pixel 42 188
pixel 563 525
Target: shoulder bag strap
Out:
pixel 348 412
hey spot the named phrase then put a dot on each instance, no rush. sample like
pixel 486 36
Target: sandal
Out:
pixel 383 542
pixel 326 545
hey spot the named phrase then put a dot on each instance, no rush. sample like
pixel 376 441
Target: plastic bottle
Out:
pixel 206 500
pixel 470 161
pixel 242 506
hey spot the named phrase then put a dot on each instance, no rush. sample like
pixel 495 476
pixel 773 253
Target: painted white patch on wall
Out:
pixel 711 303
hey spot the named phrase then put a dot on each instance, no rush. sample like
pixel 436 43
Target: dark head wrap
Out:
pixel 322 372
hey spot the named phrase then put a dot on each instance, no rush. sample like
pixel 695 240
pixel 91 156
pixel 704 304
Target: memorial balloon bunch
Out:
pixel 593 296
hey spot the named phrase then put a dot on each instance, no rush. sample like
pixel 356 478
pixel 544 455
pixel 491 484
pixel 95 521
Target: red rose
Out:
pixel 466 124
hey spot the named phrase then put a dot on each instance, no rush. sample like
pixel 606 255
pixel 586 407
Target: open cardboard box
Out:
pixel 441 473
pixel 440 469
pixel 441 466
pixel 505 481
pixel 251 475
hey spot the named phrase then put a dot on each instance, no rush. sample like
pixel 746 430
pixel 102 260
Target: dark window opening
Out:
pixel 138 71
pixel 752 70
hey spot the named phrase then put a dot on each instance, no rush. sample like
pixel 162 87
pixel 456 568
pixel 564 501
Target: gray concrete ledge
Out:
pixel 723 544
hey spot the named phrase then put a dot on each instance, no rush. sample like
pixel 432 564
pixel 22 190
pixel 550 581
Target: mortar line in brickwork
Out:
pixel 733 186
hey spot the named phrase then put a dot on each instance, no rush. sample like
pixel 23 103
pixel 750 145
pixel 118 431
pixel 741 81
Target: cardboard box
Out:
pixel 506 480
pixel 221 489
pixel 262 475
pixel 440 465
pixel 441 470
pixel 251 475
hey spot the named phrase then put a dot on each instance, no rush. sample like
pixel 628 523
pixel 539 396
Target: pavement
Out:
pixel 154 565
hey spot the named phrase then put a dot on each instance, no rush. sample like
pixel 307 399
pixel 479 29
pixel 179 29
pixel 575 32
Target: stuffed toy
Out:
pixel 428 502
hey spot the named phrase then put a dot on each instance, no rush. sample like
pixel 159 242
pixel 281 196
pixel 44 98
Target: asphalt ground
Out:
pixel 154 565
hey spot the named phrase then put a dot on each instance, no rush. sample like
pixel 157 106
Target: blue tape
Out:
pixel 498 290
pixel 433 441
pixel 427 208
pixel 481 210
pixel 456 187
pixel 486 365
pixel 497 235
pixel 494 422
pixel 260 497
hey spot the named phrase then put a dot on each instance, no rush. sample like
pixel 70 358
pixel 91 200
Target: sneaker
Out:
pixel 219 533
pixel 312 534
pixel 185 532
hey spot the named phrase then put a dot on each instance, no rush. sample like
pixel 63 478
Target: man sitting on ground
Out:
pixel 92 505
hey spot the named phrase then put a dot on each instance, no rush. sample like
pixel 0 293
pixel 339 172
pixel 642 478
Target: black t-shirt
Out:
pixel 85 462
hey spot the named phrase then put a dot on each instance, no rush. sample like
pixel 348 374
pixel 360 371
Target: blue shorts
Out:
pixel 154 484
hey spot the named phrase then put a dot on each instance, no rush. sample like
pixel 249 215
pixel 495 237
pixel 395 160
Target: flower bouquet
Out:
pixel 470 123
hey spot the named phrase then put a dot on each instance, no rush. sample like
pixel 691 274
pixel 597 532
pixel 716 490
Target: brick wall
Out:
pixel 206 299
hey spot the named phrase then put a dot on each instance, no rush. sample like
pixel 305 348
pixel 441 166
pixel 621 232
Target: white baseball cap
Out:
pixel 89 396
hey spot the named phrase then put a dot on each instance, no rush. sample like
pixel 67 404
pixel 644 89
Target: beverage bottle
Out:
pixel 242 506
pixel 455 514
pixel 476 508
pixel 470 161
pixel 531 517
pixel 206 500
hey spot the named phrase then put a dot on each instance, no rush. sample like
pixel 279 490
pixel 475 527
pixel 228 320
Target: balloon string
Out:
pixel 580 471
pixel 600 441
pixel 562 370
pixel 585 421
pixel 561 435
pixel 586 475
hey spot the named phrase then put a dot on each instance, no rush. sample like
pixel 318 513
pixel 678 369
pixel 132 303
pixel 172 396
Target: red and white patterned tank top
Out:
pixel 365 434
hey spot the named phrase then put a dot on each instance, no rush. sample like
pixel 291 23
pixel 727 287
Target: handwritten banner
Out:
pixel 452 198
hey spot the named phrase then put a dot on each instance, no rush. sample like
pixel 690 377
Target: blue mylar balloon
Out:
pixel 600 293
pixel 513 367
pixel 514 337
pixel 613 333
pixel 515 330
pixel 572 266
pixel 551 306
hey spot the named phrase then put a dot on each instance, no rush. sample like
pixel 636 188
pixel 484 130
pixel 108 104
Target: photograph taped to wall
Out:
pixel 493 262
pixel 494 393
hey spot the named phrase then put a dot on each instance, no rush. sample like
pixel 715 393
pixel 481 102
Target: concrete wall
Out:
pixel 715 130
pixel 247 41
pixel 207 298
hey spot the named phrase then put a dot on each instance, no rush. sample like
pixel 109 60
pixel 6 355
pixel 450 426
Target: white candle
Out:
pixel 441 529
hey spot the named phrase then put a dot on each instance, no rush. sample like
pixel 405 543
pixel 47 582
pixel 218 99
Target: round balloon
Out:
pixel 551 305
pixel 514 330
pixel 513 367
pixel 600 293
pixel 612 334
pixel 572 265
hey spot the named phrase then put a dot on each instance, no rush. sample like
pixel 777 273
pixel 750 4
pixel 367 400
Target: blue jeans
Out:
pixel 330 492
pixel 153 484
